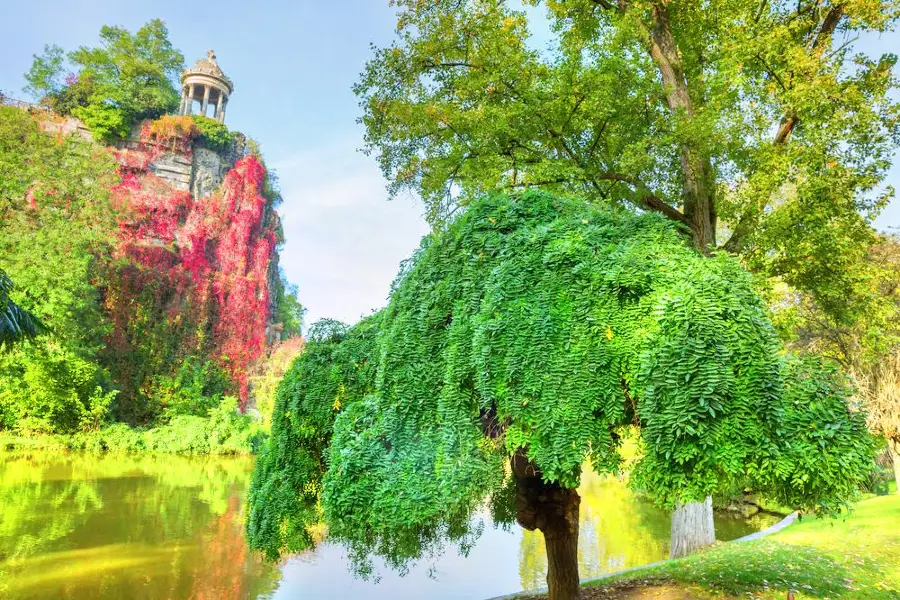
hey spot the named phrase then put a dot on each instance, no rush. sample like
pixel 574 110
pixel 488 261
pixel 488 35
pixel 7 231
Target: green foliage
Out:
pixel 762 123
pixel 225 431
pixel 126 79
pixel 49 390
pixel 337 368
pixel 542 324
pixel 196 388
pixel 54 194
pixel 269 373
pixel 15 324
pixel 97 411
pixel 288 311
pixel 213 134
pixel 45 76
pixel 106 121
pixel 819 429
pixel 76 97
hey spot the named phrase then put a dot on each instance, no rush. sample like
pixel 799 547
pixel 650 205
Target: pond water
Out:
pixel 150 527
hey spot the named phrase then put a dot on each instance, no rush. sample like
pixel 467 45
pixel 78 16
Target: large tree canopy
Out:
pixel 127 78
pixel 756 125
pixel 526 334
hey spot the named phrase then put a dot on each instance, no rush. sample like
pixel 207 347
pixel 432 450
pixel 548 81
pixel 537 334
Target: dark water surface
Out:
pixel 149 527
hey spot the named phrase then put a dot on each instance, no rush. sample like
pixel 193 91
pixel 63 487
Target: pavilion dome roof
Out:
pixel 208 66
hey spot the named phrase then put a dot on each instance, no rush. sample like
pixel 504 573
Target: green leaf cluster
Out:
pixel 336 369
pixel 214 134
pixel 197 387
pixel 225 431
pixel 15 324
pixel 544 324
pixel 770 113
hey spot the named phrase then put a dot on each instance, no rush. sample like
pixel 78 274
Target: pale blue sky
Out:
pixel 293 64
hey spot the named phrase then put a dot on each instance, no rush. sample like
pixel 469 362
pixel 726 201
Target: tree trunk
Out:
pixel 894 451
pixel 554 511
pixel 692 527
pixel 698 194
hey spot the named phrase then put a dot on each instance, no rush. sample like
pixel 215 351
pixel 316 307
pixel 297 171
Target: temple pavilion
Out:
pixel 207 84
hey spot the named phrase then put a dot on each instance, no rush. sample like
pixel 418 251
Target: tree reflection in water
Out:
pixel 126 527
pixel 619 530
pixel 145 527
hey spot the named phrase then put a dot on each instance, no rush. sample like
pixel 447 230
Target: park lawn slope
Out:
pixel 856 558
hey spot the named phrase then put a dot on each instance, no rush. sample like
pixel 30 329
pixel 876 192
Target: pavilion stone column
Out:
pixel 189 106
pixel 219 97
pixel 205 102
pixel 222 114
pixel 184 101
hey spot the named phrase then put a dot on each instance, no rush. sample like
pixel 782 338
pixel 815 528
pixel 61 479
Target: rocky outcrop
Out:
pixel 208 169
pixel 175 169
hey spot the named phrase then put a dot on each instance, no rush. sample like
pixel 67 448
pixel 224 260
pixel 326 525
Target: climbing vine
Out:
pixel 193 276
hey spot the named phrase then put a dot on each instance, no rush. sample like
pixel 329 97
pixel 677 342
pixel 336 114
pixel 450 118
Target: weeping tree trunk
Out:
pixel 692 527
pixel 894 451
pixel 554 511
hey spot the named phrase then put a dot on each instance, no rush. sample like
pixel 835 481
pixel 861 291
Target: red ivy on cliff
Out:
pixel 206 260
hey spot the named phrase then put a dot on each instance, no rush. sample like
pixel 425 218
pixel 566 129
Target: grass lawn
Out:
pixel 856 558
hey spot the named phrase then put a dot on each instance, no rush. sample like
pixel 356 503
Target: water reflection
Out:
pixel 126 527
pixel 148 527
pixel 618 530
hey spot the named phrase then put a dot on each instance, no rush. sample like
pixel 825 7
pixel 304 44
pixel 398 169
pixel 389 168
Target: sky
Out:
pixel 293 63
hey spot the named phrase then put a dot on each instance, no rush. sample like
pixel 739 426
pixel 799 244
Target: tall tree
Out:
pixel 127 78
pixel 755 126
pixel 514 347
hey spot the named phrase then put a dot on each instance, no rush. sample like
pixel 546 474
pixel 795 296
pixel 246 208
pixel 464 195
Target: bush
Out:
pixel 173 131
pixel 194 390
pixel 213 134
pixel 50 390
pixel 224 432
pixel 106 121
pixel 183 435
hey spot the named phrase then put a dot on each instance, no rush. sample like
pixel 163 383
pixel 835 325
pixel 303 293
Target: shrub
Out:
pixel 213 134
pixel 198 386
pixel 106 121
pixel 172 131
pixel 50 390
pixel 97 410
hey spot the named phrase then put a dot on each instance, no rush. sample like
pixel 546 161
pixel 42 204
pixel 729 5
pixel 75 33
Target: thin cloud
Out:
pixel 344 239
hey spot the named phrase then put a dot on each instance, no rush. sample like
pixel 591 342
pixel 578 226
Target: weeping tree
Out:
pixel 514 347
pixel 16 324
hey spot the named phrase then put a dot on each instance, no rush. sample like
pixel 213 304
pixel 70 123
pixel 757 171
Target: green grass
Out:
pixel 856 558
